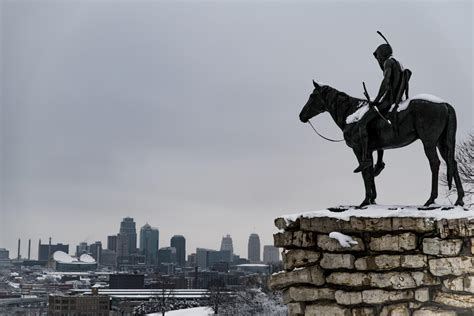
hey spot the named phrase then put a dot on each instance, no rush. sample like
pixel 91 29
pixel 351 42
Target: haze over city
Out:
pixel 184 115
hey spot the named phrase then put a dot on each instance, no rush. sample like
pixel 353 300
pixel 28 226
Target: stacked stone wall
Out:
pixel 400 266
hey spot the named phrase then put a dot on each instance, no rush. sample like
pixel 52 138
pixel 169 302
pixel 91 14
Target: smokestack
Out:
pixel 29 249
pixel 49 249
pixel 19 244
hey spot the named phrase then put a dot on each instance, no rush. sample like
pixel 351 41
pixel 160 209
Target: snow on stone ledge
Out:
pixel 380 211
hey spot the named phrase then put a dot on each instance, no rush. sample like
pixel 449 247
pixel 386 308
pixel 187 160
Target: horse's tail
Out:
pixel 451 144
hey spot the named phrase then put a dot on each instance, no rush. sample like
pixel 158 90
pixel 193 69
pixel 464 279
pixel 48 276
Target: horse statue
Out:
pixel 423 117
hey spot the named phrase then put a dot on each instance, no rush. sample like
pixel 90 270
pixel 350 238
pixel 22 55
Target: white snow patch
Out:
pixel 380 211
pixel 359 113
pixel 279 272
pixel 344 240
pixel 195 311
pixel 427 97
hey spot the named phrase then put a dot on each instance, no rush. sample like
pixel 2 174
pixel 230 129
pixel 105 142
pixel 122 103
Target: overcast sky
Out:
pixel 185 114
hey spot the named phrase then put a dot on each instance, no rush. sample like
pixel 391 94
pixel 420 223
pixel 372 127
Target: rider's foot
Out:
pixel 378 168
pixel 364 164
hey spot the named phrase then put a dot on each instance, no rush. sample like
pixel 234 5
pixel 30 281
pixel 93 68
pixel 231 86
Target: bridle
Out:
pixel 324 137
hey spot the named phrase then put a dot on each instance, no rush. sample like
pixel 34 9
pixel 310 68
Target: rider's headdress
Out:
pixel 383 51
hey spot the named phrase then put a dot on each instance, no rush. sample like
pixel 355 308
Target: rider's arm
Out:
pixel 384 86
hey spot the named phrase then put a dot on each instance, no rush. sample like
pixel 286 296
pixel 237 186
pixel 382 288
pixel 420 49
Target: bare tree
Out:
pixel 164 300
pixel 218 296
pixel 465 160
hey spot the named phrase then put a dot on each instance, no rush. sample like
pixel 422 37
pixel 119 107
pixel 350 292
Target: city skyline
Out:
pixel 75 246
pixel 186 118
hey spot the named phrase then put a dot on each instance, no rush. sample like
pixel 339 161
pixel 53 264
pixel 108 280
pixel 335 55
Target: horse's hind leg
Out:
pixel 443 149
pixel 430 151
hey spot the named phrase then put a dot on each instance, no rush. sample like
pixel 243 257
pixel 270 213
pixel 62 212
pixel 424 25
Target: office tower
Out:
pixel 4 254
pixel 270 254
pixel 254 248
pixel 112 242
pixel 29 249
pixel 123 253
pixel 82 248
pixel 206 258
pixel 149 243
pixel 95 250
pixel 127 228
pixel 226 244
pixel 179 242
pixel 45 251
pixel 167 255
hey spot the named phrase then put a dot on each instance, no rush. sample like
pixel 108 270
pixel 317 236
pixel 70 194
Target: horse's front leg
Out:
pixel 369 184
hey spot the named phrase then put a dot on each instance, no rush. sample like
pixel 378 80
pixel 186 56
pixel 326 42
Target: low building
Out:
pixel 65 263
pixel 126 281
pixel 75 305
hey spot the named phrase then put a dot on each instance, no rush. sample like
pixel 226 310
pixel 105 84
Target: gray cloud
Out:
pixel 184 114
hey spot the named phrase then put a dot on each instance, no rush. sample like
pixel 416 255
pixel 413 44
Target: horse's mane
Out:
pixel 339 98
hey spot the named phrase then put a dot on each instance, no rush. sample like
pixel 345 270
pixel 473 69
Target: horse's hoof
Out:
pixel 429 202
pixel 365 203
pixel 372 202
pixel 459 203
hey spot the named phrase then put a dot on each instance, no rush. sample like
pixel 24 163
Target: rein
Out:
pixel 324 137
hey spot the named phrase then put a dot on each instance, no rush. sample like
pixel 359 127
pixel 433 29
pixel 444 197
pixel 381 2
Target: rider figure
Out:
pixel 394 83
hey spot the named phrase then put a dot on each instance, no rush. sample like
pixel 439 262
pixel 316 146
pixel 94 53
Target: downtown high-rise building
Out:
pixel 270 254
pixel 179 243
pixel 128 228
pixel 254 248
pixel 227 245
pixel 112 242
pixel 149 243
pixel 126 240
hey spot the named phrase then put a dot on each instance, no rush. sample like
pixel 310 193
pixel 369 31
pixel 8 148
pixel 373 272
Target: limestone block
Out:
pixel 337 261
pixel 420 225
pixel 310 275
pixel 349 279
pixel 459 227
pixel 451 266
pixel 414 261
pixel 326 310
pixel 365 224
pixel 395 310
pixel 296 309
pixel 383 297
pixel 400 243
pixel 348 298
pixel 433 311
pixel 472 246
pixel 388 280
pixel 442 247
pixel 422 295
pixel 389 262
pixel 363 311
pixel 294 239
pixel 324 225
pixel 460 284
pixel 297 258
pixel 282 223
pixel 381 262
pixel 307 294
pixel 454 300
pixel 330 244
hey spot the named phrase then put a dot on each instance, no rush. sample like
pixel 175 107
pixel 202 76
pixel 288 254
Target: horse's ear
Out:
pixel 316 85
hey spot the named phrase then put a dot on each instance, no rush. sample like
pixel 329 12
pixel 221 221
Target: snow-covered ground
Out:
pixel 377 211
pixel 195 311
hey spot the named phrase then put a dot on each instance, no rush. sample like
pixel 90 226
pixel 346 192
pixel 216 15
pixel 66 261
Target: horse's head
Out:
pixel 315 105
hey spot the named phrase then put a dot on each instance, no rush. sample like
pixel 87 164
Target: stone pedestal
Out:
pixel 408 261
